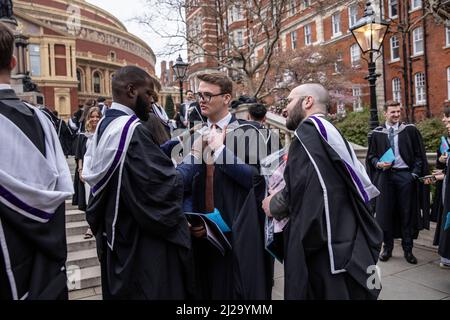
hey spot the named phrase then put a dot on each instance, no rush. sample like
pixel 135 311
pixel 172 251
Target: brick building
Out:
pixel 75 48
pixel 305 24
pixel 301 25
pixel 416 59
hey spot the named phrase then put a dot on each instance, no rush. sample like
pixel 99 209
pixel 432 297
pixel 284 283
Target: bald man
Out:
pixel 332 241
pixel 135 210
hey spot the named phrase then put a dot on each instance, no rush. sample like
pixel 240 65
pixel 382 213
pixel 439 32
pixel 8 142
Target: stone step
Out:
pixel 85 294
pixel 83 258
pixel 78 243
pixel 76 228
pixel 75 216
pixel 90 277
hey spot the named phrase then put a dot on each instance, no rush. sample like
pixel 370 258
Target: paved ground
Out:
pixel 401 280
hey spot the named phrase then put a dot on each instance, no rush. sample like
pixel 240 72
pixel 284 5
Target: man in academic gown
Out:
pixel 403 208
pixel 332 241
pixel 135 210
pixel 34 183
pixel 223 181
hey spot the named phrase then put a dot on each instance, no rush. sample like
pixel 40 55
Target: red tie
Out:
pixel 209 186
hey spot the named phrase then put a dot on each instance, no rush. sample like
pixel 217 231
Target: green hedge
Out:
pixel 355 127
pixel 431 129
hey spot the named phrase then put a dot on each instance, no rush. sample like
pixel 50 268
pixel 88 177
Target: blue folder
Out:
pixel 388 156
pixel 447 223
pixel 217 218
pixel 444 145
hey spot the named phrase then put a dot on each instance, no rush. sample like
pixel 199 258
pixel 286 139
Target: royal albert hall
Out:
pixel 74 48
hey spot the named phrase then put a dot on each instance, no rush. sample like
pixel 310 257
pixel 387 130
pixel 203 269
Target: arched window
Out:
pixel 112 55
pixel 97 81
pixel 80 78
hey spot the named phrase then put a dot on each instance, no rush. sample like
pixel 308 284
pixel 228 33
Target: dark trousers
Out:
pixel 401 190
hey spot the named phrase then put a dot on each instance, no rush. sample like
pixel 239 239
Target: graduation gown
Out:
pixel 442 237
pixel 234 276
pixel 355 236
pixel 37 251
pixel 437 209
pixel 413 154
pixel 151 257
pixel 81 190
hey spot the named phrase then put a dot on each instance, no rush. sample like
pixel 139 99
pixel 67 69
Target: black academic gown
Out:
pixel 151 258
pixel 442 237
pixel 233 276
pixel 37 251
pixel 356 237
pixel 66 137
pixel 81 190
pixel 437 208
pixel 413 153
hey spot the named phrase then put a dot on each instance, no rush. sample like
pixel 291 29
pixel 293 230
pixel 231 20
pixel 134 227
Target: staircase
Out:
pixel 81 253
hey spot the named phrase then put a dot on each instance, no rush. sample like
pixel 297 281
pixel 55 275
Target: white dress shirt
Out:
pixel 121 107
pixel 398 163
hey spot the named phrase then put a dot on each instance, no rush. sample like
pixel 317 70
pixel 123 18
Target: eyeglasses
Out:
pixel 206 96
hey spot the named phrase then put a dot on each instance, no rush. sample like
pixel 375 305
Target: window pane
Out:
pixel 35 59
pixel 393 8
pixel 418 40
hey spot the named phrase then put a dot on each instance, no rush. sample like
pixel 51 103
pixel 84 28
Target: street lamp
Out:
pixel 180 68
pixel 369 32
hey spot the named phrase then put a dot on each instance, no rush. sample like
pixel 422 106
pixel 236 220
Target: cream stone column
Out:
pixel 52 59
pixel 45 70
pixel 88 79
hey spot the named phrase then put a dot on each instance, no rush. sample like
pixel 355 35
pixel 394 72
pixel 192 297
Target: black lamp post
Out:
pixel 369 32
pixel 180 68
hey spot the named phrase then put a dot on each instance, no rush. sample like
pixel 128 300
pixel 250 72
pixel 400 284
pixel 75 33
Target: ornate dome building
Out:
pixel 75 48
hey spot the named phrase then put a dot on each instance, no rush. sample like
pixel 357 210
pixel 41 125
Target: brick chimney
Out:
pixel 163 73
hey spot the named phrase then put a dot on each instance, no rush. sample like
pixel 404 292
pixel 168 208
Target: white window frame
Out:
pixel 352 15
pixel 419 85
pixel 336 31
pixel 391 42
pixel 447 35
pixel 390 4
pixel 338 63
pixel 414 6
pixel 308 35
pixel 355 49
pixel 357 103
pixel 396 90
pixel 239 38
pixel 417 37
pixel 448 83
pixel 292 7
pixel 293 35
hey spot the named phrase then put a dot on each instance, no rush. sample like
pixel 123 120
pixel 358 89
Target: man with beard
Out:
pixel 332 241
pixel 403 206
pixel 135 210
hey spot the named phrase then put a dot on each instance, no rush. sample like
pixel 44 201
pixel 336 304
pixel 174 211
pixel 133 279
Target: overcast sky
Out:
pixel 124 11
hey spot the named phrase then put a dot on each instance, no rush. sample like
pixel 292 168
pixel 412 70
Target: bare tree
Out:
pixel 248 55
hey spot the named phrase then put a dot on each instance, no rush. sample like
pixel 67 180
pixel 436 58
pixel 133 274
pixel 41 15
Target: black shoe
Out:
pixel 385 255
pixel 410 257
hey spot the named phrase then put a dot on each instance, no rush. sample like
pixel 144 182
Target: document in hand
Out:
pixel 388 156
pixel 214 233
pixel 273 240
pixel 444 145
